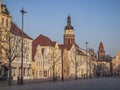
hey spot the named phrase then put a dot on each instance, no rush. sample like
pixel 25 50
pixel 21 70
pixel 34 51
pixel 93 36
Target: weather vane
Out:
pixel 68 12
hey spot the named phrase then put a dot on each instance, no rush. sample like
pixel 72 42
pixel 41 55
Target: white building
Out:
pixel 27 53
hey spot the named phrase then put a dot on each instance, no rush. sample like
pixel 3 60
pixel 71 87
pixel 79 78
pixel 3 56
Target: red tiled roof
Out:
pixel 69 46
pixel 65 46
pixel 42 41
pixel 17 31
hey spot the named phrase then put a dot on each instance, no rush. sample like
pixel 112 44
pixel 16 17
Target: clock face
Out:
pixel 69 32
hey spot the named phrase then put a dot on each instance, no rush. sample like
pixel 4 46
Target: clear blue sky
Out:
pixel 93 20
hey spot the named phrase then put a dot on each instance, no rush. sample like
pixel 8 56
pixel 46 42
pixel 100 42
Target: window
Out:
pixel 36 63
pixel 2 20
pixel 28 71
pixel 7 23
pixel 45 73
pixel 13 71
pixel 68 40
pixel 40 73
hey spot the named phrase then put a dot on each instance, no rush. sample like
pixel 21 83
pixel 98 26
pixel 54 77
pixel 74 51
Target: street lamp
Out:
pixel 62 78
pixel 86 61
pixel 23 12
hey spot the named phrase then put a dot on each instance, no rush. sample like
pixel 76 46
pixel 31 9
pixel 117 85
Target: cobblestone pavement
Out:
pixel 86 84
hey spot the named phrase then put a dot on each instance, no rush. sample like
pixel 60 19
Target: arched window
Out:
pixel 68 40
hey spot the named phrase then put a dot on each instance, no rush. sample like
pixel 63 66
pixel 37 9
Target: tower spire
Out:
pixel 68 20
pixel 69 37
pixel 68 26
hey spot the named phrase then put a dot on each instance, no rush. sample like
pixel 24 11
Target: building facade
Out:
pixel 116 64
pixel 103 63
pixel 46 57
pixel 5 25
pixel 27 53
pixel 74 57
pixel 10 48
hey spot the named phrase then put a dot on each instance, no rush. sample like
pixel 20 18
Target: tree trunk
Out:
pixel 53 73
pixel 76 73
pixel 10 72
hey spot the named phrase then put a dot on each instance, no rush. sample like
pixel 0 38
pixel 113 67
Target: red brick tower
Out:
pixel 101 51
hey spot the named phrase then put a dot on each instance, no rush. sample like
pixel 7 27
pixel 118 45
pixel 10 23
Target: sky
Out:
pixel 94 21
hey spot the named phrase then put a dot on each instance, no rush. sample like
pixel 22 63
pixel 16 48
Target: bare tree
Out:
pixel 10 46
pixel 54 62
pixel 77 61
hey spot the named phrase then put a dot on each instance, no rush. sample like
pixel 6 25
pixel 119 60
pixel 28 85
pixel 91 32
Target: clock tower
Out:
pixel 69 37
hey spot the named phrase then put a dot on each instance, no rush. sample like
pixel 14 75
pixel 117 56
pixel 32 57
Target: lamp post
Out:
pixel 86 61
pixel 62 78
pixel 23 12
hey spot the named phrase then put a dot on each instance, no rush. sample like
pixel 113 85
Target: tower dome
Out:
pixel 68 26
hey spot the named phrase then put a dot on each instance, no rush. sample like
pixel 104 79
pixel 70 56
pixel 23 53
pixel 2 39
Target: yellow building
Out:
pixel 75 62
pixel 65 49
pixel 73 58
pixel 46 58
pixel 116 64
pixel 10 46
pixel 5 25
pixel 92 62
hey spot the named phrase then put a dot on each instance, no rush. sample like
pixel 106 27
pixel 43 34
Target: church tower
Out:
pixel 69 37
pixel 101 51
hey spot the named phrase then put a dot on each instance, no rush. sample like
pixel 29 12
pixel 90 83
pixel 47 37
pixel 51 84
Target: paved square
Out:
pixel 86 84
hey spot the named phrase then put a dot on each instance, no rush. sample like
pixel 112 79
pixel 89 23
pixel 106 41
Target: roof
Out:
pixel 68 27
pixel 65 46
pixel 69 46
pixel 42 41
pixel 17 31
pixel 79 52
